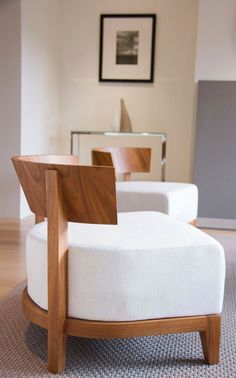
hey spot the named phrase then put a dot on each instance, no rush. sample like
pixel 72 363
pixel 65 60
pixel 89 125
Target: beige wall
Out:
pixel 166 105
pixel 29 90
pixel 40 86
pixel 216 46
pixel 10 57
pixel 40 75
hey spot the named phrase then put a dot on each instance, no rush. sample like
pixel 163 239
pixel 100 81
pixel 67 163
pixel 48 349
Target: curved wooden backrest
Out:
pixel 123 159
pixel 88 192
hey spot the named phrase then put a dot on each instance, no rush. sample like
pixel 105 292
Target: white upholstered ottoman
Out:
pixel 147 267
pixel 178 200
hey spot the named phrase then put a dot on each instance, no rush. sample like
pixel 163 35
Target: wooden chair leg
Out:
pixel 57 273
pixel 210 339
pixel 56 351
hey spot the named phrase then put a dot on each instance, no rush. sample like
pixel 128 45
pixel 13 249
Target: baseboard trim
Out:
pixel 218 223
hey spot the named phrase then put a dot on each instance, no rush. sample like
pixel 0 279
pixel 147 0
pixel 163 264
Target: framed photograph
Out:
pixel 127 47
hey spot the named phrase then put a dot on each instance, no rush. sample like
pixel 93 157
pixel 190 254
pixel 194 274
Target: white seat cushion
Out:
pixel 178 200
pixel 149 266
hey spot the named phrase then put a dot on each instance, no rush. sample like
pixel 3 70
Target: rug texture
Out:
pixel 23 346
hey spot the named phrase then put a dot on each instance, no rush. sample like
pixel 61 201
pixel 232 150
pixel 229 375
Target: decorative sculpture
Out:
pixel 125 122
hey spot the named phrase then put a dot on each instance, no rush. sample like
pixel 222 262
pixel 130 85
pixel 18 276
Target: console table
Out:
pixel 82 143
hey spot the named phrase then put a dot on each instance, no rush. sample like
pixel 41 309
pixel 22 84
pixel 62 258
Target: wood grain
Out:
pixel 57 272
pixel 113 330
pixel 89 192
pixel 210 339
pixel 125 160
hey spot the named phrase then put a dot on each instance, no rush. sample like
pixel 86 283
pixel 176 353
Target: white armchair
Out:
pixel 139 274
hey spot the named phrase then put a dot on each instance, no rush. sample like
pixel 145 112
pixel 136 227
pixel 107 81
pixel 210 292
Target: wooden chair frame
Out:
pixel 39 179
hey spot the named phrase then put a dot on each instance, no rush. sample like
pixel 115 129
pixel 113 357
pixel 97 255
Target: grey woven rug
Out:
pixel 23 346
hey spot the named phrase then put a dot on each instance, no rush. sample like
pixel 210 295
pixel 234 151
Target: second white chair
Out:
pixel 178 200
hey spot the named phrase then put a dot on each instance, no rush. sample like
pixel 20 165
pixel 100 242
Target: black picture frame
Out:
pixel 127 48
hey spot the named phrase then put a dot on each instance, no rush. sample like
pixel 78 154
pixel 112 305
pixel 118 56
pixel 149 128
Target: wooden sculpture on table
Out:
pixel 125 122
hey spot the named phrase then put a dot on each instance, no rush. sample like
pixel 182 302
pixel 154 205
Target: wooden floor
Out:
pixel 12 252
